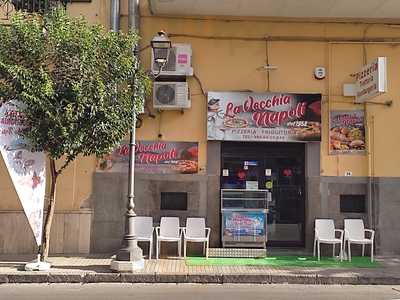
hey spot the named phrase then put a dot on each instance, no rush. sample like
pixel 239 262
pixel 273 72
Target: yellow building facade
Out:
pixel 229 55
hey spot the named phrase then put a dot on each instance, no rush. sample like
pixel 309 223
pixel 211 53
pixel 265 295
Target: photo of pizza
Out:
pixel 345 138
pixel 235 123
pixel 347 132
pixel 187 166
pixel 307 130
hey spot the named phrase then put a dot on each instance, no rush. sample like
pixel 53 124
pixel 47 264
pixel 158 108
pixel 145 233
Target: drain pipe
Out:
pixel 114 18
pixel 133 15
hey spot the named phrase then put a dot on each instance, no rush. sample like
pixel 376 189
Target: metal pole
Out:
pixel 133 14
pixel 131 175
pixel 130 257
pixel 114 20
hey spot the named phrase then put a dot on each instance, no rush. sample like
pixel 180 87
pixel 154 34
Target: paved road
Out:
pixel 194 292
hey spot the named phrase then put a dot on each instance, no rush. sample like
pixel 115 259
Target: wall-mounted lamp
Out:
pixel 161 46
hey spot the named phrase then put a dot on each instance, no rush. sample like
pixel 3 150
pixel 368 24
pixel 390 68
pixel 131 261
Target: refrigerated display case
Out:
pixel 244 217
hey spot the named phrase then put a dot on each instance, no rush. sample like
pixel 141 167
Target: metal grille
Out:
pixel 237 252
pixel 7 7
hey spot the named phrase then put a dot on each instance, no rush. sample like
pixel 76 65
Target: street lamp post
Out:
pixel 130 257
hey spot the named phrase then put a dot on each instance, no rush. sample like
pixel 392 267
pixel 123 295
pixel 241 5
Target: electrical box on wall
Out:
pixel 171 95
pixel 179 61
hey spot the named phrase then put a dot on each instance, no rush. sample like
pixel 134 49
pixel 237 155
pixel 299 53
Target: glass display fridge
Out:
pixel 244 217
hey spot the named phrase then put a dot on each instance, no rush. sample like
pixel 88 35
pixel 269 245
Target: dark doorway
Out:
pixel 278 167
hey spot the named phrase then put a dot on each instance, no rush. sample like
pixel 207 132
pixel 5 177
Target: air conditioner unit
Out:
pixel 179 62
pixel 171 95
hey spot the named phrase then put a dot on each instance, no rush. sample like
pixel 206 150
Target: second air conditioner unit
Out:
pixel 171 95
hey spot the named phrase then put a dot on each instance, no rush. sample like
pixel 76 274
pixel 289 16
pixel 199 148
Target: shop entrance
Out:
pixel 278 168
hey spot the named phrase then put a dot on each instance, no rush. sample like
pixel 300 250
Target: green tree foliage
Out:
pixel 77 82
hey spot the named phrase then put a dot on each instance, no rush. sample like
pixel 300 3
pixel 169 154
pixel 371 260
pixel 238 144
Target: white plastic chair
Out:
pixel 169 231
pixel 325 234
pixel 144 231
pixel 354 233
pixel 197 232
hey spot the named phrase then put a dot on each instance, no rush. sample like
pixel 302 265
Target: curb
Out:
pixel 86 278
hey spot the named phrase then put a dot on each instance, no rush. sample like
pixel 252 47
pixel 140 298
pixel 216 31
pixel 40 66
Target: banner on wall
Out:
pixel 347 132
pixel 26 168
pixel 153 157
pixel 278 117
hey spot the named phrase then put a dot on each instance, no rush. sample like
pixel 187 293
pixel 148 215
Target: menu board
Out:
pixel 347 132
pixel 246 116
pixel 153 157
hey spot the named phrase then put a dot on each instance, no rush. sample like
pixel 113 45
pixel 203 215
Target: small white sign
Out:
pixel 348 173
pixel 268 172
pixel 269 196
pixel 251 185
pixel 225 172
pixel 371 81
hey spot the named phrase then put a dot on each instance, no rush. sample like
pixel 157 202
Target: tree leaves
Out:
pixel 77 82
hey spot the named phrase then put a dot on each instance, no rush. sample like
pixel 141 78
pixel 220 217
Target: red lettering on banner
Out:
pixel 252 105
pixel 156 158
pixel 270 118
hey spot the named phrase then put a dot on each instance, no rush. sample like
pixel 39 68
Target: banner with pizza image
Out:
pixel 26 168
pixel 347 132
pixel 153 157
pixel 278 117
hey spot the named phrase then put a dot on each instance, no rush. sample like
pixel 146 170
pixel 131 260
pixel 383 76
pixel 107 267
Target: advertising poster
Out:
pixel 347 132
pixel 243 116
pixel 26 169
pixel 244 223
pixel 154 157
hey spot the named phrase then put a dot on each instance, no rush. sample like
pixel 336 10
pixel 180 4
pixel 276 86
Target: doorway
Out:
pixel 279 168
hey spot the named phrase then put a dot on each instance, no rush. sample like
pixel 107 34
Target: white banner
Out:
pixel 27 169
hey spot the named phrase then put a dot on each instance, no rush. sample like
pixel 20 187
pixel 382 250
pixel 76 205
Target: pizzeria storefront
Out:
pixel 263 139
pixel 304 162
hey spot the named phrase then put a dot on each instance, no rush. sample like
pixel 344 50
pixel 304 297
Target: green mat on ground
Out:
pixel 283 261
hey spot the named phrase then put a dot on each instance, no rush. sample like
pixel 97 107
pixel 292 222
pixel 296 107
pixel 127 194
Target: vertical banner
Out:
pixel 27 169
pixel 347 132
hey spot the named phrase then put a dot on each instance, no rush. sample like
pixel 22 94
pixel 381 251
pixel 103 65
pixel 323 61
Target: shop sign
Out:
pixel 153 157
pixel 347 132
pixel 244 223
pixel 26 168
pixel 371 81
pixel 243 116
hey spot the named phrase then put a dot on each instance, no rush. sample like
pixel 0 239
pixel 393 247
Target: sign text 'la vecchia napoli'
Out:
pixel 26 168
pixel 275 117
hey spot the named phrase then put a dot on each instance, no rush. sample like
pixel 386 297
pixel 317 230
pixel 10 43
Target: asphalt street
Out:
pixel 194 292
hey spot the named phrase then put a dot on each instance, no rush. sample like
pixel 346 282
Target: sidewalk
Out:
pixel 95 269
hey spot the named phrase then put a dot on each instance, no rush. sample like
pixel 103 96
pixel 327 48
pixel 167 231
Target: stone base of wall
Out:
pixel 323 201
pixel 70 233
pixel 110 198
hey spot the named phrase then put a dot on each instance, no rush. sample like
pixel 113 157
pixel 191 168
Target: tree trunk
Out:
pixel 44 250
